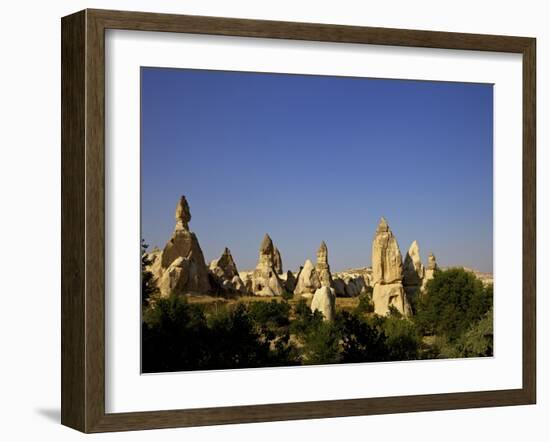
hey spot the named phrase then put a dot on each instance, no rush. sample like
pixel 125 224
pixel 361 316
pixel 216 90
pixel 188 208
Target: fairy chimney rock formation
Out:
pixel 387 264
pixel 322 267
pixel 225 271
pixel 182 267
pixel 308 280
pixel 265 279
pixel 387 273
pixel 413 270
pixel 324 300
pixel 277 261
pixel 183 214
pixel 430 271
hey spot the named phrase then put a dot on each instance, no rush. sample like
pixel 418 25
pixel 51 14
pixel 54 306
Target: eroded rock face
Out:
pixel 413 270
pixel 290 282
pixel 386 295
pixel 322 267
pixel 324 300
pixel 308 280
pixel 181 267
pixel 224 270
pixel 339 287
pixel 387 264
pixel 265 279
pixel 387 273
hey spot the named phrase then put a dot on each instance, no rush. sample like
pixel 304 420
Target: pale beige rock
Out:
pixel 265 279
pixel 430 271
pixel 387 264
pixel 238 285
pixel 308 280
pixel 225 272
pixel 248 280
pixel 386 295
pixel 188 274
pixel 322 266
pixel 324 300
pixel 387 273
pixel 224 266
pixel 413 270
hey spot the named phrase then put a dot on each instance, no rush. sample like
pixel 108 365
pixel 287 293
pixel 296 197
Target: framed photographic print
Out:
pixel 269 220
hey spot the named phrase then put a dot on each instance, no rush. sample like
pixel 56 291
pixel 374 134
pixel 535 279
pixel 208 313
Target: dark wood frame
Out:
pixel 83 220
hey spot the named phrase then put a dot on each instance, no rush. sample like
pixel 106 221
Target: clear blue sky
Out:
pixel 311 158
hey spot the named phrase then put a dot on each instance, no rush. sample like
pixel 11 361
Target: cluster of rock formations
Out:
pixel 180 268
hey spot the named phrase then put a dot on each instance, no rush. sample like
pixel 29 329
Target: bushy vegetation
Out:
pixel 453 319
pixel 454 300
pixel 148 287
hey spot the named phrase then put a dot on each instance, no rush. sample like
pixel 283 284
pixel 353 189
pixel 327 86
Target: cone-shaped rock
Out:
pixel 324 300
pixel 413 270
pixel 322 267
pixel 265 279
pixel 182 267
pixel 387 272
pixel 225 272
pixel 308 280
pixel 277 261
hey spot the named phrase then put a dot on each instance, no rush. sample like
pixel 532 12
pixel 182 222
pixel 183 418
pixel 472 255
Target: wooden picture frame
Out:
pixel 83 220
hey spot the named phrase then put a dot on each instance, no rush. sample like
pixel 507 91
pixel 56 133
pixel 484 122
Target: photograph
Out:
pixel 298 220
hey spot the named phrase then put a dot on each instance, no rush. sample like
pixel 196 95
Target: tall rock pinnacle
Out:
pixel 322 267
pixel 183 214
pixel 387 273
pixel 183 268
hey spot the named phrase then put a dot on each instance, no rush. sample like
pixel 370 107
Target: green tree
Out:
pixel 454 300
pixel 365 304
pixel 361 341
pixel 148 286
pixel 320 339
pixel 403 341
pixel 477 341
pixel 174 336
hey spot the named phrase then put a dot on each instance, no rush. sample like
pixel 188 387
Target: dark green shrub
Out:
pixel 365 305
pixel 148 287
pixel 403 341
pixel 452 302
pixel 361 341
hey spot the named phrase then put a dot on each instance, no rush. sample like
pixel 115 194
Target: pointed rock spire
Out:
pixel 322 267
pixel 387 273
pixel 265 279
pixel 387 263
pixel 308 280
pixel 267 245
pixel 183 214
pixel 183 268
pixel 277 261
pixel 382 226
pixel 432 264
